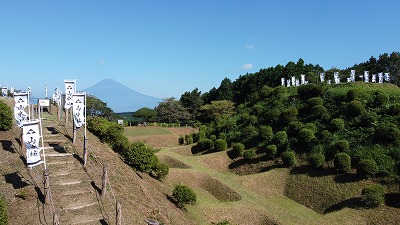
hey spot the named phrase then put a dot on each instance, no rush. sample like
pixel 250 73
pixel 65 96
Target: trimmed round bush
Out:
pixel 183 195
pixel 314 101
pixel 280 138
pixel 213 137
pixel 238 149
pixel 317 160
pixel 271 151
pixel 305 135
pixel 310 90
pixel 367 168
pixel 374 195
pixel 205 144
pixel 249 132
pixel 189 140
pixel 368 119
pixel 289 115
pixel 355 108
pixel 294 128
pixel 341 146
pixel 288 158
pixel 342 162
pixel 381 99
pixel 141 157
pixel 222 135
pixel 337 124
pixel 272 116
pixel 387 133
pixel 6 117
pixel 352 94
pixel 319 111
pixel 160 171
pixel 325 135
pixel 249 154
pixel 220 145
pixel 181 140
pixel 266 132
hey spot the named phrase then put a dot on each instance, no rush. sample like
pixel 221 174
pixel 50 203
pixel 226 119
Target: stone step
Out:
pixel 85 215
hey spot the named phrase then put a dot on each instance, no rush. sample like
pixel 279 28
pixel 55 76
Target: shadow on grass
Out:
pixel 94 186
pixel 58 148
pixel 7 145
pixel 237 163
pixel 52 130
pixel 392 200
pixel 78 158
pixel 16 180
pixel 353 203
pixel 40 195
pixel 313 172
pixel 271 167
pixel 348 178
pixel 103 222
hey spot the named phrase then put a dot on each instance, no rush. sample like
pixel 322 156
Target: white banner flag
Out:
pixel 79 109
pixel 283 81
pixel 336 77
pixel 288 83
pixel 373 78
pixel 387 77
pixel 303 79
pixel 353 75
pixel 366 76
pixel 293 81
pixel 69 91
pixel 4 91
pixel 380 78
pixel 20 103
pixel 322 77
pixel 31 137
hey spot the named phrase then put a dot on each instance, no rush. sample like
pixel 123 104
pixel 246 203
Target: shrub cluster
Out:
pixel 317 160
pixel 367 168
pixel 238 149
pixel 342 162
pixel 183 195
pixel 374 195
pixel 249 154
pixel 138 155
pixel 288 158
pixel 271 151
pixel 205 144
pixel 220 145
pixel 6 117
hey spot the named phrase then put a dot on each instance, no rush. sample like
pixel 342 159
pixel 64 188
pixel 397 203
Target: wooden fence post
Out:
pixel 118 214
pixel 104 182
pixel 46 184
pixel 55 219
pixel 85 153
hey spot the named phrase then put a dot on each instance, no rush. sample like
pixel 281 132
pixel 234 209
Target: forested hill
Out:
pixel 246 86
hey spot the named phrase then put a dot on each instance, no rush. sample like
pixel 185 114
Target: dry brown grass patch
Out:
pixel 172 162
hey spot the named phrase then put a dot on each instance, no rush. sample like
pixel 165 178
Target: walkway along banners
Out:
pixel 32 137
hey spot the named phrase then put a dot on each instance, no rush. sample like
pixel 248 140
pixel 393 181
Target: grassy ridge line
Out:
pixel 281 208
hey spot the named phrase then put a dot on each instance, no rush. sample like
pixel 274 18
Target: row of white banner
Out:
pixel 32 128
pixel 366 78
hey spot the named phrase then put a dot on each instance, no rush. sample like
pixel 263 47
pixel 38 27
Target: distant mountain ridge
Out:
pixel 121 98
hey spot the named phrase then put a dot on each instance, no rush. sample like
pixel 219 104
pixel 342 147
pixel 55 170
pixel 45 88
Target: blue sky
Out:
pixel 164 48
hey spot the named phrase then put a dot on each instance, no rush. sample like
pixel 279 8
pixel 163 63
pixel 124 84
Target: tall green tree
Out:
pixel 225 90
pixel 217 109
pixel 148 115
pixel 192 101
pixel 171 110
